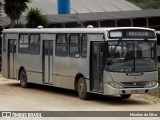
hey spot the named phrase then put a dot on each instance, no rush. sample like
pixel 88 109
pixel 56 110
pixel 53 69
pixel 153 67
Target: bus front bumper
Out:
pixel 108 90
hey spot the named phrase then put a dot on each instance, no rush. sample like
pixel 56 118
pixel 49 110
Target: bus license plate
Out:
pixel 134 91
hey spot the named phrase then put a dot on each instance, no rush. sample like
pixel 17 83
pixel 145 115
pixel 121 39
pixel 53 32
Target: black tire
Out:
pixel 23 79
pixel 126 96
pixel 82 89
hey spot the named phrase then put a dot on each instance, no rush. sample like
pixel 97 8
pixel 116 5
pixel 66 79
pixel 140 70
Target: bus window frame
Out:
pixel 57 53
pixel 23 43
pixel 75 45
pixel 83 45
pixel 39 45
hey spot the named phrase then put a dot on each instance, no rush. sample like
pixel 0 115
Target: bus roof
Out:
pixel 67 30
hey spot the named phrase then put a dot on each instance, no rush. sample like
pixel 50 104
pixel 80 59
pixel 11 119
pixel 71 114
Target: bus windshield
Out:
pixel 131 56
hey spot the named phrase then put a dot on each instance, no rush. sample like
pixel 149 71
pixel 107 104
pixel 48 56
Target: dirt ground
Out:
pixel 44 98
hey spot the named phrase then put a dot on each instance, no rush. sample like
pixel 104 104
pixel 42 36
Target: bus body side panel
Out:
pixel 34 68
pixel 23 61
pixel 65 69
pixel 32 65
pixel 88 66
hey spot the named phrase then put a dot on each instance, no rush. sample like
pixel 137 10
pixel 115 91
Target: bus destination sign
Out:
pixel 130 33
pixel 139 34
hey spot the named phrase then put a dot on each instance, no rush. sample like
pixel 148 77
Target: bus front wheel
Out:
pixel 126 96
pixel 23 79
pixel 82 89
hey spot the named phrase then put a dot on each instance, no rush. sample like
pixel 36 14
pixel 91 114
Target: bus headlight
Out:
pixel 151 84
pixel 115 84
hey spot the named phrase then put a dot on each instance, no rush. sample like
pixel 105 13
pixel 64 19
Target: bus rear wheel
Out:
pixel 23 79
pixel 126 96
pixel 82 89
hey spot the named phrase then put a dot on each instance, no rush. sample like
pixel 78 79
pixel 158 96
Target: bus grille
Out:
pixel 134 84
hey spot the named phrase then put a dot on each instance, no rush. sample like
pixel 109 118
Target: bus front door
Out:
pixel 47 61
pixel 11 58
pixel 96 68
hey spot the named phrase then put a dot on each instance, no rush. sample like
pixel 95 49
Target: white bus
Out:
pixel 108 61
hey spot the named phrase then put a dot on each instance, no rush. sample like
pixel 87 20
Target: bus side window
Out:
pixel 34 44
pixel 74 45
pixel 84 46
pixel 61 45
pixel 23 43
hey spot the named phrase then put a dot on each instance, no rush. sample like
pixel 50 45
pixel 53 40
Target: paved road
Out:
pixel 44 98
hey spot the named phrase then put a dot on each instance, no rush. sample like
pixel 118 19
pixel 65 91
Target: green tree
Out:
pixel 14 9
pixel 146 4
pixel 36 18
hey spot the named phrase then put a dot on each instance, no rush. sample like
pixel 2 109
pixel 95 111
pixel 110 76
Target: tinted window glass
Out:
pixel 34 47
pixel 74 45
pixel 23 43
pixel 61 45
pixel 84 46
